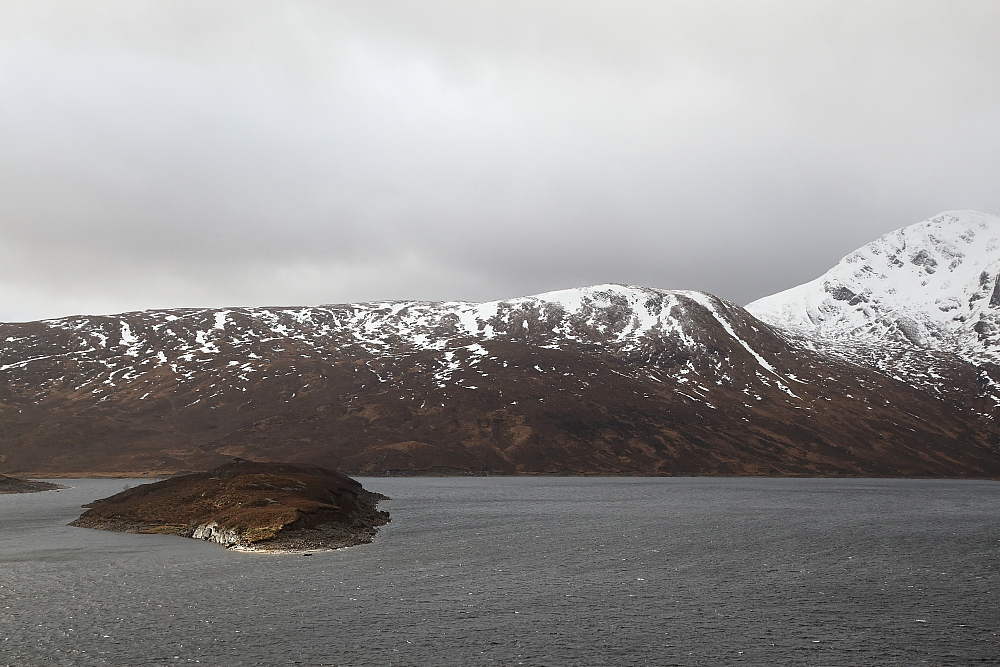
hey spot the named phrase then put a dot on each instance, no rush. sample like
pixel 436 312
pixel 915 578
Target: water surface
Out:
pixel 533 571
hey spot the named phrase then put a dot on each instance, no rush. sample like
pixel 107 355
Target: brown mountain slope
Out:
pixel 607 380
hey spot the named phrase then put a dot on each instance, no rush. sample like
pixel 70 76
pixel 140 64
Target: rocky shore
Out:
pixel 15 485
pixel 248 506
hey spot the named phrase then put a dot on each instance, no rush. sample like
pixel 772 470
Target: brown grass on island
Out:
pixel 248 506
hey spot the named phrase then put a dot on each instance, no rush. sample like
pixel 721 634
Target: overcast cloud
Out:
pixel 175 154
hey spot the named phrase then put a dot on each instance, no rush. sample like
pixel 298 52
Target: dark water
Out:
pixel 561 571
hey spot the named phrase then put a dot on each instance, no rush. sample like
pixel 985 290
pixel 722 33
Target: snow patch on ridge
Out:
pixel 656 333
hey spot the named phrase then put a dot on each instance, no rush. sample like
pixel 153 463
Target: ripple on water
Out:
pixel 562 571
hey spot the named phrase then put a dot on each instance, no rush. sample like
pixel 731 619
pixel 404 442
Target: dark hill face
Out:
pixel 607 380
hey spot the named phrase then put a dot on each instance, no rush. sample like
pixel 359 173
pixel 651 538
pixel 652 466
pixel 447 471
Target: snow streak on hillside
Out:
pixel 662 330
pixel 614 317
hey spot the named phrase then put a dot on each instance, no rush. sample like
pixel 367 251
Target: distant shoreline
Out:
pixel 10 485
pixel 156 475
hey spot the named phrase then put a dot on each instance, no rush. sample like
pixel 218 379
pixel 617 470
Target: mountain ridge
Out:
pixel 608 379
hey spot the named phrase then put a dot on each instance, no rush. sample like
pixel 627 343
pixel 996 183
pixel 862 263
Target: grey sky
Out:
pixel 178 154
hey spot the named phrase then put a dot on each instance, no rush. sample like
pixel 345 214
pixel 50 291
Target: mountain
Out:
pixel 934 285
pixel 610 379
pixel 914 303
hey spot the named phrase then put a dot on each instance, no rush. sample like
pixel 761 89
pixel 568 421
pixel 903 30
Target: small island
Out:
pixel 15 485
pixel 248 506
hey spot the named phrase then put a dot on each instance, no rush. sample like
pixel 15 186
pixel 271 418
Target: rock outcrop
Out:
pixel 248 506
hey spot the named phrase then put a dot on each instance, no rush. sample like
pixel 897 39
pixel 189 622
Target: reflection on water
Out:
pixel 550 571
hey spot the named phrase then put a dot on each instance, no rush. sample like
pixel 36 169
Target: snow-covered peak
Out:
pixel 935 284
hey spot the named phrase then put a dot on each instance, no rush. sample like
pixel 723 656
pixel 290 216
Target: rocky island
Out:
pixel 15 485
pixel 248 506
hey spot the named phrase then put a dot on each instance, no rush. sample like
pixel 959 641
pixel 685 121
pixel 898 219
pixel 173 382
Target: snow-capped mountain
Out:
pixel 109 353
pixel 935 285
pixel 608 379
